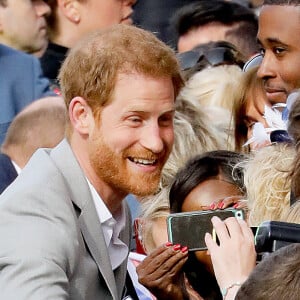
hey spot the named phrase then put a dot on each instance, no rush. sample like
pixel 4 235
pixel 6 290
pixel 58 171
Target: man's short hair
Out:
pixel 276 277
pixel 203 12
pixel 39 125
pixel 241 34
pixel 91 67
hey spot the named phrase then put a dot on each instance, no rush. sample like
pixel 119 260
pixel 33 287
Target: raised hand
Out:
pixel 234 258
pixel 161 272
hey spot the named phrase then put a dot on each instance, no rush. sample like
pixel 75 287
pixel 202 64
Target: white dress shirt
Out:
pixel 18 169
pixel 111 226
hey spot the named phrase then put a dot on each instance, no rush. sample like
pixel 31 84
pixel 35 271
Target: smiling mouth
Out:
pixel 272 91
pixel 142 161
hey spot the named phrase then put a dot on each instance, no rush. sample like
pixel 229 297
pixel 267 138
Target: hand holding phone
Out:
pixel 235 257
pixel 189 228
pixel 161 272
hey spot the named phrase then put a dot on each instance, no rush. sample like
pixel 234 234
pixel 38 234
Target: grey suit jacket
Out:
pixel 51 242
pixel 21 82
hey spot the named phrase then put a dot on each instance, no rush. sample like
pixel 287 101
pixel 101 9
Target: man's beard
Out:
pixel 114 169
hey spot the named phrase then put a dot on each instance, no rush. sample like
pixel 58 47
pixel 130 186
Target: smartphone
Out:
pixel 189 228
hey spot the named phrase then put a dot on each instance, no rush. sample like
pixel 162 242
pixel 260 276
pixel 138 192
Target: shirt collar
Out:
pixel 104 214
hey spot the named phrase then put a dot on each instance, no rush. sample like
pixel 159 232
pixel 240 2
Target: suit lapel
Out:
pixel 88 219
pixel 125 236
pixel 93 236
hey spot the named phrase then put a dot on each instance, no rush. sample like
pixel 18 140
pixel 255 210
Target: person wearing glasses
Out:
pixel 213 73
pixel 207 55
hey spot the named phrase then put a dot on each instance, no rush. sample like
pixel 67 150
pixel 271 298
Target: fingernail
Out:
pixel 176 247
pixel 221 204
pixel 212 206
pixel 184 249
pixel 236 205
pixel 215 219
pixel 168 244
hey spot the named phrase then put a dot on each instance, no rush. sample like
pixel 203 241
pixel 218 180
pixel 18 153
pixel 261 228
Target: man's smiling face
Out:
pixel 134 136
pixel 279 29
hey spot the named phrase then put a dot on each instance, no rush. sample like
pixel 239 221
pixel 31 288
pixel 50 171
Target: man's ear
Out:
pixel 70 9
pixel 81 116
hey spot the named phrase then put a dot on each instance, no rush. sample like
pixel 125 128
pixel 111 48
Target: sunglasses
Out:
pixel 254 61
pixel 212 57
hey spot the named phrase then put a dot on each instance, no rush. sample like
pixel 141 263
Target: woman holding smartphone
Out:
pixel 208 181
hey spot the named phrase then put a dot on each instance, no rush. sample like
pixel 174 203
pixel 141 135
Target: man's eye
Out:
pixel 135 119
pixel 278 50
pixel 166 120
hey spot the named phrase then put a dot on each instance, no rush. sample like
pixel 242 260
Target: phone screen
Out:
pixel 188 229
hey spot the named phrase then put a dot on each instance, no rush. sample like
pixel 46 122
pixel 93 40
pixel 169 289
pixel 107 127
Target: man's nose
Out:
pixel 266 69
pixel 152 138
pixel 42 8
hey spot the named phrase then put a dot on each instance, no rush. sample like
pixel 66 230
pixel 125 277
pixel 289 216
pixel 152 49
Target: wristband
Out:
pixel 224 291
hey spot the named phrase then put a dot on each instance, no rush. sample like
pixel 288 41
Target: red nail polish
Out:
pixel 176 247
pixel 168 244
pixel 184 249
pixel 212 206
pixel 220 205
pixel 236 205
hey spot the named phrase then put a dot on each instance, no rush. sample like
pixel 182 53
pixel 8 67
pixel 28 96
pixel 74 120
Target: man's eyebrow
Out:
pixel 143 112
pixel 172 111
pixel 276 41
pixel 271 40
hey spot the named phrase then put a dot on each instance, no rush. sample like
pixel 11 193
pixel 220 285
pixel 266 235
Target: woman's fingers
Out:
pixel 162 261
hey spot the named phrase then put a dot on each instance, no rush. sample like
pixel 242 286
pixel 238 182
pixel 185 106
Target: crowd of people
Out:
pixel 119 114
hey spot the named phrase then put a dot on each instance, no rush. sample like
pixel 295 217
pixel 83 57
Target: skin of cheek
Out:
pixel 204 258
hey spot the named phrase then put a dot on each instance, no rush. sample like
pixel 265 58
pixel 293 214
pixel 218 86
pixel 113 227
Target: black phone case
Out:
pixel 188 229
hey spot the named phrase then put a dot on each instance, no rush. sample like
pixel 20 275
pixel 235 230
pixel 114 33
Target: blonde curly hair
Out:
pixel 293 214
pixel 268 182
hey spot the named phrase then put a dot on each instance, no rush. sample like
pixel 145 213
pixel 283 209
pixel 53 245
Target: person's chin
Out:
pixel 276 96
pixel 145 190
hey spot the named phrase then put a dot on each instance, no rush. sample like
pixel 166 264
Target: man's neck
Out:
pixel 112 197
